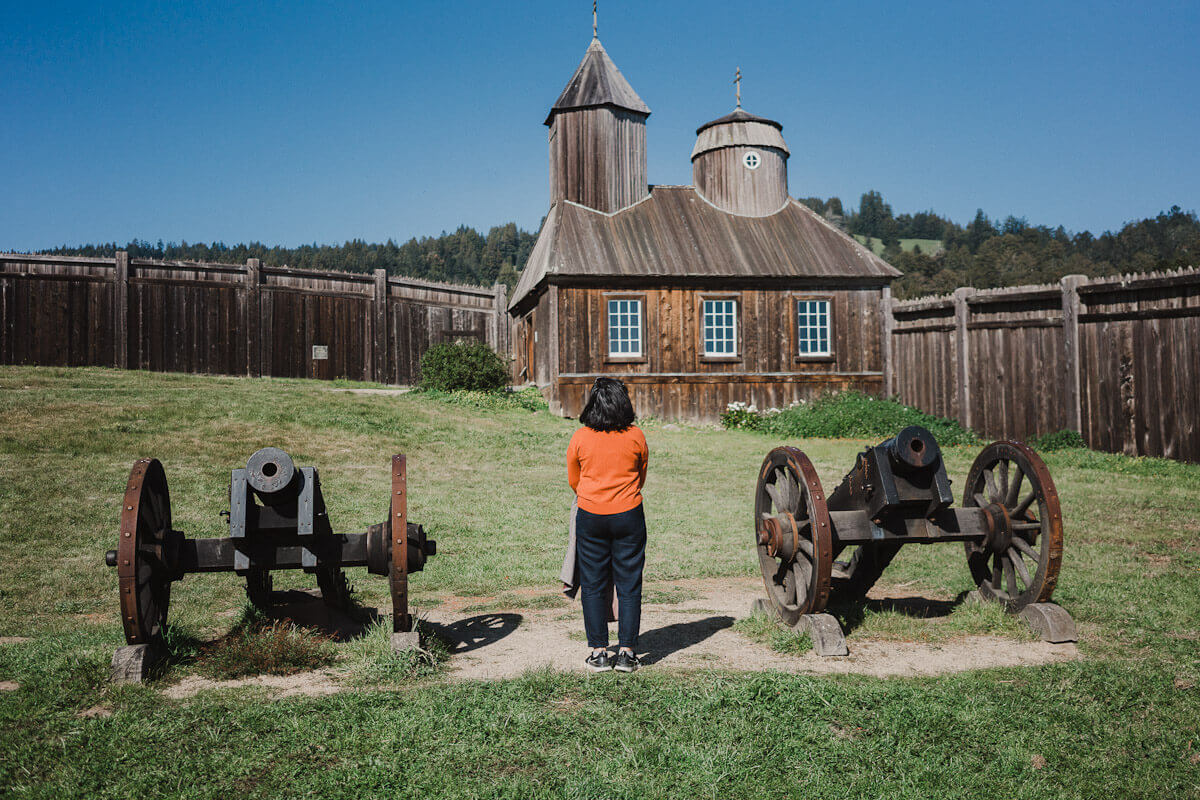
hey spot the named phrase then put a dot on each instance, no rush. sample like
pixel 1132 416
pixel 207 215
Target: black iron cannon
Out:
pixel 815 549
pixel 277 520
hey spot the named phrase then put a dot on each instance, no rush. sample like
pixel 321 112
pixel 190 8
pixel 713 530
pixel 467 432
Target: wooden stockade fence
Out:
pixel 1117 359
pixel 234 319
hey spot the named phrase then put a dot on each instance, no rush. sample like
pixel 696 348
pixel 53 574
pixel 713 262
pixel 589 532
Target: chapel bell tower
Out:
pixel 598 137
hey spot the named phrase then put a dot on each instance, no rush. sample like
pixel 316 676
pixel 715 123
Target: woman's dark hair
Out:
pixel 608 407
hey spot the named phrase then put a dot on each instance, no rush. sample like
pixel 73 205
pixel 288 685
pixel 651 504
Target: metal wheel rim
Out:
pixel 1028 570
pixel 145 585
pixel 799 585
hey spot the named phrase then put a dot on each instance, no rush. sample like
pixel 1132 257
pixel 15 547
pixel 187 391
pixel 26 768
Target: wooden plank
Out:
pixel 120 310
pixel 889 323
pixel 379 348
pixel 962 377
pixel 1070 338
pixel 253 312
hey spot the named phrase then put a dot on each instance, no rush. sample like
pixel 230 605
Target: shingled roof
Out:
pixel 598 82
pixel 676 233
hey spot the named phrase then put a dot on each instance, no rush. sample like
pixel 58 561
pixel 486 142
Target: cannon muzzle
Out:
pixel 912 449
pixel 272 474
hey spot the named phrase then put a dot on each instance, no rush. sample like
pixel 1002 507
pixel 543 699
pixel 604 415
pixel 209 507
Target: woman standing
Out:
pixel 606 466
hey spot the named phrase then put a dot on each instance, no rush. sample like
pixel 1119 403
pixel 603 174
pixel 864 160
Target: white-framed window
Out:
pixel 812 327
pixel 719 327
pixel 625 327
pixel 752 160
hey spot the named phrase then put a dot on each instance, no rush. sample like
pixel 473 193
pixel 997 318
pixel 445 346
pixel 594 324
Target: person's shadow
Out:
pixel 472 633
pixel 662 642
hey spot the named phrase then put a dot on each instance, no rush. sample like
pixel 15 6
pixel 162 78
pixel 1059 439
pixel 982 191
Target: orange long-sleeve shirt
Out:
pixel 607 469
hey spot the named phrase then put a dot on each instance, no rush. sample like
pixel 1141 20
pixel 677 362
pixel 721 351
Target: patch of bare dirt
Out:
pixel 95 712
pixel 307 684
pixel 9 686
pixel 698 634
pixel 13 639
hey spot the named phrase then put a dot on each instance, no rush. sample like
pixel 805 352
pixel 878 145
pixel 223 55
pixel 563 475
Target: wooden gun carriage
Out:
pixel 898 493
pixel 277 520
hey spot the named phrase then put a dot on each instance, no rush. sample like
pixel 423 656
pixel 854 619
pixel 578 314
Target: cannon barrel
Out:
pixel 273 475
pixel 914 448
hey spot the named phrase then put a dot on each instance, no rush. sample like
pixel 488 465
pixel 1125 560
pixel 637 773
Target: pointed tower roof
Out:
pixel 598 82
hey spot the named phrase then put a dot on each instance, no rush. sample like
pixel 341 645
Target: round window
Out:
pixel 752 160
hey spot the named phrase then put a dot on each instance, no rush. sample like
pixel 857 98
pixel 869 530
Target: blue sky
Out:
pixel 296 122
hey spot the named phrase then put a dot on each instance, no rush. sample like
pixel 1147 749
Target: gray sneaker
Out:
pixel 599 662
pixel 626 662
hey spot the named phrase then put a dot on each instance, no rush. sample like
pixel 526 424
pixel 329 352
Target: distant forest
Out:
pixel 985 253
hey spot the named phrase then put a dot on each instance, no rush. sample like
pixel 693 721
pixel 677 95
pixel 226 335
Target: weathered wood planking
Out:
pixel 673 377
pixel 232 319
pixel 1138 351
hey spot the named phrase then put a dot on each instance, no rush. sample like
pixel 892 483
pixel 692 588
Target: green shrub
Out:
pixel 1059 440
pixel 528 399
pixel 472 366
pixel 844 415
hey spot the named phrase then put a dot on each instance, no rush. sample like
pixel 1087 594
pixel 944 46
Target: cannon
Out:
pixel 816 548
pixel 277 520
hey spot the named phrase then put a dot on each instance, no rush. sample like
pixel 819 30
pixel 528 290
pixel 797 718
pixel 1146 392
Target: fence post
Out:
pixel 379 348
pixel 962 364
pixel 889 324
pixel 253 318
pixel 1070 310
pixel 120 310
pixel 500 318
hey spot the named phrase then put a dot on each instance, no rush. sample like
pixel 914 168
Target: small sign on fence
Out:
pixel 320 352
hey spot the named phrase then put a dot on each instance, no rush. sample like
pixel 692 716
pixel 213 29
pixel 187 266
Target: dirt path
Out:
pixel 685 625
pixel 698 633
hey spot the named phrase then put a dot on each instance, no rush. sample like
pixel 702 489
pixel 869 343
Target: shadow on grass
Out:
pixel 475 632
pixel 851 613
pixel 662 642
pixel 306 609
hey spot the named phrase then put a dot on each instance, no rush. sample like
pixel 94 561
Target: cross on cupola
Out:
pixel 595 27
pixel 737 82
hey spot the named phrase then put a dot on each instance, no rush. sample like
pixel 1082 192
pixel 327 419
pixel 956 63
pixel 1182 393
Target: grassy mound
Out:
pixel 845 415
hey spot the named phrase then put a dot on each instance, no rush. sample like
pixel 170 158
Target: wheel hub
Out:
pixel 999 528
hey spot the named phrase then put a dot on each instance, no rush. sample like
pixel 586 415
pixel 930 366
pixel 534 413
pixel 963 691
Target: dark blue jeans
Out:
pixel 611 548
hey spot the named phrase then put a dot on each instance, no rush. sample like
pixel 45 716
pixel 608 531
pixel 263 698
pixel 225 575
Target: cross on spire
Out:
pixel 737 82
pixel 595 27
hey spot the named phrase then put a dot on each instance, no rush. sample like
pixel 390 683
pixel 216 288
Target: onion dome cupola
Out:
pixel 739 164
pixel 598 137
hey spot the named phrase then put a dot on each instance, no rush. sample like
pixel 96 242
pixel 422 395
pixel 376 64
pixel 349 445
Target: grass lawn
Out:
pixel 489 485
pixel 928 246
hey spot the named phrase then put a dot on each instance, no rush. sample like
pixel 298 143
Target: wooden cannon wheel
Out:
pixel 792 534
pixel 142 570
pixel 1017 564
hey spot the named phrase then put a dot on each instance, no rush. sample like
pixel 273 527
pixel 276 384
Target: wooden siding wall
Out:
pixel 233 319
pixel 598 158
pixel 726 182
pixel 1117 359
pixel 676 380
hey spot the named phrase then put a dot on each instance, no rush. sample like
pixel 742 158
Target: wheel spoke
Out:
pixel 1014 488
pixel 1024 547
pixel 990 481
pixel 996 572
pixel 1027 526
pixel 1020 510
pixel 1015 559
pixel 980 499
pixel 1003 465
pixel 776 500
pixel 789 587
pixel 1010 578
pixel 806 547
